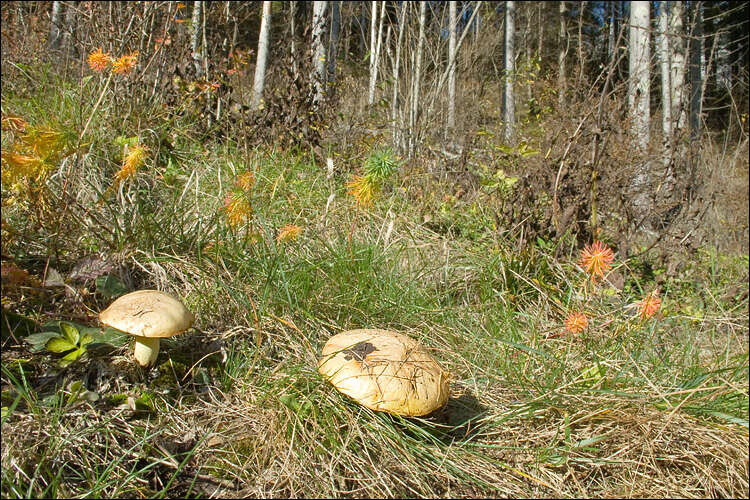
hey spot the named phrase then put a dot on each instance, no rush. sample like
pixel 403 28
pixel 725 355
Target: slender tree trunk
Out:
pixel 319 52
pixel 452 68
pixel 54 28
pixel 510 70
pixel 395 105
pixel 413 115
pixel 581 58
pixel 196 38
pixel 678 63
pixel 69 28
pixel 561 79
pixel 638 88
pixel 540 42
pixel 666 101
pixel 696 66
pixel 611 33
pixel 260 65
pixel 373 20
pixel 638 101
pixel 293 38
pixel 333 41
pixel 375 61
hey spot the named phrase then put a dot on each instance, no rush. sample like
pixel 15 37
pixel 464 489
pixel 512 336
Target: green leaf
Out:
pixel 39 340
pixel 60 344
pixel 70 332
pixel 70 357
pixel 110 286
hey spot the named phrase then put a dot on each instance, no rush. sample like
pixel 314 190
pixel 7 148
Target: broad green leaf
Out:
pixel 70 357
pixel 60 344
pixel 70 332
pixel 39 340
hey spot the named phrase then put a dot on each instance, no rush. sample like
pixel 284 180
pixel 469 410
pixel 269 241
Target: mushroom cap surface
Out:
pixel 385 371
pixel 148 313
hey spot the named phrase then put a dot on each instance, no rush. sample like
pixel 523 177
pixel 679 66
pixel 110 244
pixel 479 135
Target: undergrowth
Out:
pixel 632 404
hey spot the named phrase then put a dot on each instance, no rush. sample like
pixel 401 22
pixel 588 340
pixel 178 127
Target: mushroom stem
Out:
pixel 146 350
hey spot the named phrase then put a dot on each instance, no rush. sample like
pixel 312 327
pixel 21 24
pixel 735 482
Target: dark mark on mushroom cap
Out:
pixel 359 351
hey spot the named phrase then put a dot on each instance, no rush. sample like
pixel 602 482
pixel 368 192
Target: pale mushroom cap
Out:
pixel 385 371
pixel 148 313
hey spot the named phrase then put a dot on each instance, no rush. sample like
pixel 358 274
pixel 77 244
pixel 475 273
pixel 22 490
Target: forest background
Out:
pixel 446 169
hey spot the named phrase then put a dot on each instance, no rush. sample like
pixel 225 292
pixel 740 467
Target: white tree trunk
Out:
pixel 195 25
pixel 677 66
pixel 373 21
pixel 375 61
pixel 260 65
pixel 696 69
pixel 413 114
pixel 662 49
pixel 54 28
pixel 638 101
pixel 452 26
pixel 638 83
pixel 395 102
pixel 293 32
pixel 510 70
pixel 611 32
pixel 69 27
pixel 319 51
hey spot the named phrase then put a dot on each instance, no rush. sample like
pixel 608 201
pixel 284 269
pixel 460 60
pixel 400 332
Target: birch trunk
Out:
pixel 395 102
pixel 260 65
pixel 452 68
pixel 195 25
pixel 293 35
pixel 373 21
pixel 638 83
pixel 638 101
pixel 413 115
pixel 611 32
pixel 375 61
pixel 319 52
pixel 510 69
pixel 677 66
pixel 54 29
pixel 69 28
pixel 666 101
pixel 696 70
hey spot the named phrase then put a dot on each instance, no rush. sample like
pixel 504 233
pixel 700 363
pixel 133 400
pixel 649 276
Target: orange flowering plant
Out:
pixel 288 233
pixel 237 202
pixel 596 259
pixel 576 322
pixel 649 305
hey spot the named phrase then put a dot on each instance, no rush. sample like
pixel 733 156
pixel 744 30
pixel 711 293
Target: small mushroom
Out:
pixel 385 371
pixel 148 315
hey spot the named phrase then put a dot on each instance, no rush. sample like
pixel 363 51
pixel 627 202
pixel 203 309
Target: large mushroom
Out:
pixel 385 371
pixel 148 315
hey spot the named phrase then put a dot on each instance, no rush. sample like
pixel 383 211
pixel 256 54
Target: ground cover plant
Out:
pixel 580 366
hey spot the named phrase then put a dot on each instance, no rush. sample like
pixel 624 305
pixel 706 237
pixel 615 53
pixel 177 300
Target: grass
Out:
pixel 236 407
